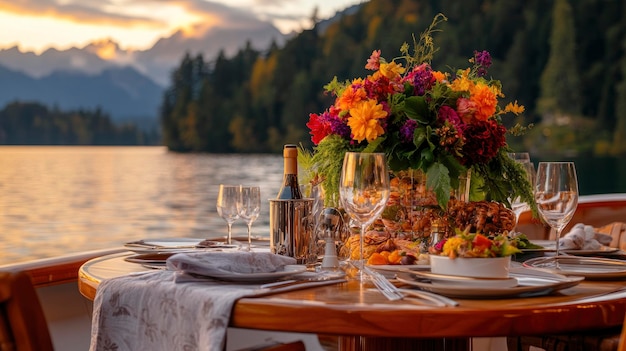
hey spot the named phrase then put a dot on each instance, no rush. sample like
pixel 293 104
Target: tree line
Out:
pixel 566 65
pixel 26 123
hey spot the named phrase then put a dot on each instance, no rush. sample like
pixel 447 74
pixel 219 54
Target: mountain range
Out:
pixel 126 84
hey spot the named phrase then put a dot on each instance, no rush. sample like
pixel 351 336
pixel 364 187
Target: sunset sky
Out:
pixel 35 25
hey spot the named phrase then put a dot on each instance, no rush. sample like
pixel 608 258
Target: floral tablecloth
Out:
pixel 160 311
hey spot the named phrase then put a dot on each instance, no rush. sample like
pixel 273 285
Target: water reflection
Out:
pixel 57 200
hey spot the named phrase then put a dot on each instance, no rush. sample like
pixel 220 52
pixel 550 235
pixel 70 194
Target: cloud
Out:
pixel 230 17
pixel 90 12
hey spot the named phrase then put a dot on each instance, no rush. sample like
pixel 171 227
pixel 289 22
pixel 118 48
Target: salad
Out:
pixel 475 245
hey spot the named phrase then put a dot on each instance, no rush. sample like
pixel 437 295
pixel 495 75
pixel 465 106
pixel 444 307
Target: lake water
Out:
pixel 60 200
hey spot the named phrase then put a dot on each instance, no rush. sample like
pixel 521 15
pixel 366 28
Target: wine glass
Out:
pixel 517 205
pixel 556 194
pixel 228 203
pixel 364 191
pixel 250 206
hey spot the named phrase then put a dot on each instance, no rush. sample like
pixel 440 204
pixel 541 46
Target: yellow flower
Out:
pixel 391 70
pixel 363 120
pixel 462 83
pixel 514 107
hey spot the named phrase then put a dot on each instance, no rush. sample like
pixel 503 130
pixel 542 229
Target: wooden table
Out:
pixel 365 320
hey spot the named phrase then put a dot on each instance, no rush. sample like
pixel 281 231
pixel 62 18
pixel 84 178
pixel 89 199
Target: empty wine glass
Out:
pixel 556 194
pixel 364 191
pixel 517 205
pixel 228 203
pixel 250 206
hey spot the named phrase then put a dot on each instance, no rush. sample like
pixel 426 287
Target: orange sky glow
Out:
pixel 36 25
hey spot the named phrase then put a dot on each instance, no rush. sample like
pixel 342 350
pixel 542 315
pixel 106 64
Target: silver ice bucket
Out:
pixel 291 229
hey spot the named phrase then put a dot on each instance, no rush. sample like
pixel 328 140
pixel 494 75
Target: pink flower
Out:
pixel 373 63
pixel 466 109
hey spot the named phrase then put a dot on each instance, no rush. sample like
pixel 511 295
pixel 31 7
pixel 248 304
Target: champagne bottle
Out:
pixel 290 188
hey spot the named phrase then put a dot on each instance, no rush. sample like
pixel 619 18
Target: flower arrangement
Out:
pixel 441 123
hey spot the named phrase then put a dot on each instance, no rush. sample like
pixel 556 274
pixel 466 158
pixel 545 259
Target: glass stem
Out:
pixel 558 236
pixel 229 239
pixel 249 236
pixel 361 263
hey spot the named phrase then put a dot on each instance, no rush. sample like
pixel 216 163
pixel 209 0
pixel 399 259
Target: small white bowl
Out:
pixel 496 267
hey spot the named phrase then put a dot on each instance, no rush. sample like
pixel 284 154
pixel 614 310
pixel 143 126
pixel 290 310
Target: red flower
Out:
pixel 483 139
pixel 319 126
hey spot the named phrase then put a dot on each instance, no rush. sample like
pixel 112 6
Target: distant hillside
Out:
pixel 564 60
pixel 123 93
pixel 35 124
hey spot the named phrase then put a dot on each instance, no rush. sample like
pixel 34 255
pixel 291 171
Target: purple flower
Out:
pixel 407 130
pixel 483 60
pixel 421 78
pixel 339 127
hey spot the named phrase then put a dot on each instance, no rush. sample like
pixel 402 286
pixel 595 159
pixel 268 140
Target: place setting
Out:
pixel 521 282
pixel 233 202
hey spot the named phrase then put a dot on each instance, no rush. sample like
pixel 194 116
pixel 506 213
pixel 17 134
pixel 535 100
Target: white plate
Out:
pixel 588 267
pixel 260 277
pixel 170 245
pixel 550 245
pixel 150 258
pixel 390 270
pixel 529 283
pixel 442 279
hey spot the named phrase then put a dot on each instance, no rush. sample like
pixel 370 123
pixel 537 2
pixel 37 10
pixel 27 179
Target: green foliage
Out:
pixel 424 49
pixel 329 161
pixel 264 88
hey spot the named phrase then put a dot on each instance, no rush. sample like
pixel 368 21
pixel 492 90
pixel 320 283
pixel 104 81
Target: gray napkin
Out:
pixel 223 264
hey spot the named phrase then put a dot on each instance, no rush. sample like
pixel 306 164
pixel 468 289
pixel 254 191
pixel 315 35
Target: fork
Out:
pixel 394 293
pixel 389 290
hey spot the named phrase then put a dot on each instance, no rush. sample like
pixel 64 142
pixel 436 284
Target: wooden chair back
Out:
pixel 621 346
pixel 23 326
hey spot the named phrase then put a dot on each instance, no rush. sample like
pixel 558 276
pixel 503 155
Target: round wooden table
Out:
pixel 364 320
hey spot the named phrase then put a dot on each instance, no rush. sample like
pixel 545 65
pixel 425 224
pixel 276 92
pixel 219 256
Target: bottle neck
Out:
pixel 291 166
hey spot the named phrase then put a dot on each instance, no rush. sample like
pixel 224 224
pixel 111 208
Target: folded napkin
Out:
pixel 584 237
pixel 222 264
pixel 153 311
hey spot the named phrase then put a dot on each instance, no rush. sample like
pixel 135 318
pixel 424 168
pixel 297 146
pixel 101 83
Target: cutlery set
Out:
pixel 394 293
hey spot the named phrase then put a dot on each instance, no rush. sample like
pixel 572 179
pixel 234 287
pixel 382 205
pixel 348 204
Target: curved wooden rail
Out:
pixel 57 270
pixel 594 210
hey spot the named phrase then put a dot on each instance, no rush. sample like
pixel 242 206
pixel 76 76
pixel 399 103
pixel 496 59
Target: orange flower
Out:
pixel 352 95
pixel 484 98
pixel 439 76
pixel 514 107
pixel 363 120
